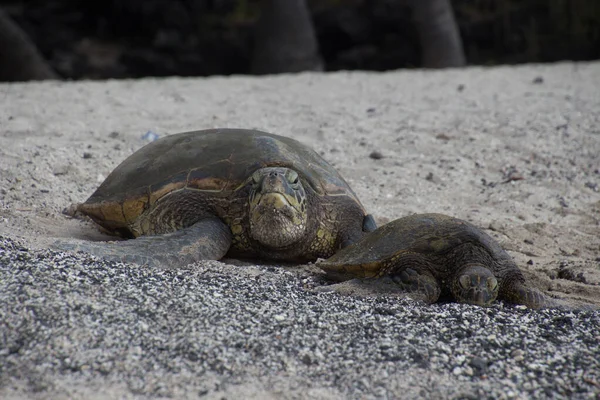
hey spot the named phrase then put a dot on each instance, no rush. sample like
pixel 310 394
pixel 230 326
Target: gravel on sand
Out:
pixel 218 331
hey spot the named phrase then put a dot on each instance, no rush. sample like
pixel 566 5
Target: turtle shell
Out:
pixel 217 161
pixel 426 234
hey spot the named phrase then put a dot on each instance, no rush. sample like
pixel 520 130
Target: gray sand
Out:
pixel 518 158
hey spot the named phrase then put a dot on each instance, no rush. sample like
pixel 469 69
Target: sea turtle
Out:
pixel 204 194
pixel 433 255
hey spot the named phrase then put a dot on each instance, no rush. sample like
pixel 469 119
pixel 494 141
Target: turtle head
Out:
pixel 475 284
pixel 277 200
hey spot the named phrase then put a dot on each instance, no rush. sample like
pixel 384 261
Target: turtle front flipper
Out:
pixel 208 239
pixel 519 293
pixel 419 285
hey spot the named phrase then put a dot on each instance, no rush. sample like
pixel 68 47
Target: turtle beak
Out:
pixel 275 192
pixel 275 201
pixel 480 297
pixel 477 286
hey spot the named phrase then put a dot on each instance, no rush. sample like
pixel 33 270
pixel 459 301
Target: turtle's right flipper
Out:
pixel 208 239
pixel 420 286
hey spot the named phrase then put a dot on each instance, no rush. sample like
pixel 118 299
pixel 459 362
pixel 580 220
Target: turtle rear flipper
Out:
pixel 352 236
pixel 208 239
pixel 369 224
pixel 73 211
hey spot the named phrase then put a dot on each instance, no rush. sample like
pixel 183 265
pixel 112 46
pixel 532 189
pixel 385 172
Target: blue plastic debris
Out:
pixel 150 136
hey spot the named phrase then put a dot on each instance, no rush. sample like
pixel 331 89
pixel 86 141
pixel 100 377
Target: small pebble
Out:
pixel 479 364
pixel 60 170
pixel 518 355
pixel 150 136
pixel 376 155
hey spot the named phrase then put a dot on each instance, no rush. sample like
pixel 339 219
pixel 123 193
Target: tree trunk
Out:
pixel 20 60
pixel 441 45
pixel 284 39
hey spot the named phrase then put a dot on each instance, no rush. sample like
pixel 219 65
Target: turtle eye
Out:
pixel 293 177
pixel 255 178
pixel 492 283
pixel 465 281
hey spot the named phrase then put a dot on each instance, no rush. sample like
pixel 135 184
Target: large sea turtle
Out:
pixel 428 255
pixel 204 194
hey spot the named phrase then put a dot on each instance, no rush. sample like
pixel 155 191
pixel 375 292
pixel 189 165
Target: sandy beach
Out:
pixel 513 149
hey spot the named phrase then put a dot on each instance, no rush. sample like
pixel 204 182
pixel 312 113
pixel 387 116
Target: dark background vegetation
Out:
pixel 135 38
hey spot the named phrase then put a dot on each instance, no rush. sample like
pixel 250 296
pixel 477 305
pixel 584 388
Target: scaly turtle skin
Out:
pixel 204 194
pixel 428 255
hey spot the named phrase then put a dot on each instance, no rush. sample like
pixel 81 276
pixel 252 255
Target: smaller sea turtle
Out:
pixel 433 255
pixel 204 194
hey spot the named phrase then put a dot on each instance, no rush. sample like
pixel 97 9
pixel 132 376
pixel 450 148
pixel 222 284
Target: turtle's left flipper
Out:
pixel 523 295
pixel 530 297
pixel 208 239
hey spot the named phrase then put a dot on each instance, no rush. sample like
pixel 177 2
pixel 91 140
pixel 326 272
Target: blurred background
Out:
pixel 71 39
